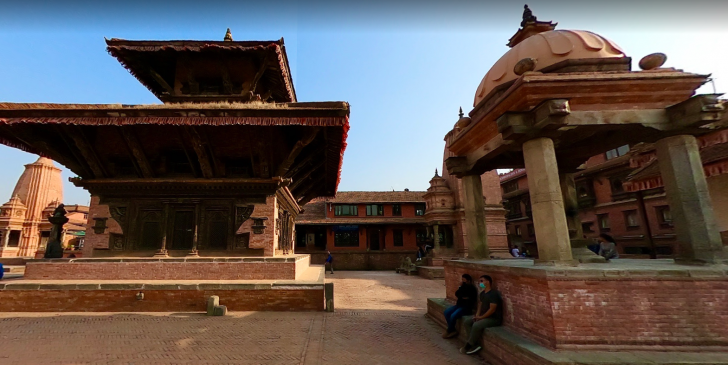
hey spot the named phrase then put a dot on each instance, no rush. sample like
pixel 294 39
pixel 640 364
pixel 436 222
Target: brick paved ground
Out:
pixel 379 320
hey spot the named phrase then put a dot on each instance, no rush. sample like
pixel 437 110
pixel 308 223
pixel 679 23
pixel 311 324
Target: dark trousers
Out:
pixel 476 328
pixel 452 315
pixel 331 265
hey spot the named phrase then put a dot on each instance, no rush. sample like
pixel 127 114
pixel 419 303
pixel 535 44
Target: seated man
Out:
pixel 467 296
pixel 489 314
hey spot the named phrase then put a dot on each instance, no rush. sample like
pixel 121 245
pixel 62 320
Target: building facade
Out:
pixel 620 193
pixel 24 218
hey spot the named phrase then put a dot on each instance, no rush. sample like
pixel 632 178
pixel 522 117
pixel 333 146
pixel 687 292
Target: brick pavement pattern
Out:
pixel 379 319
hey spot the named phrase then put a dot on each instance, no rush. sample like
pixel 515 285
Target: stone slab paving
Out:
pixel 379 319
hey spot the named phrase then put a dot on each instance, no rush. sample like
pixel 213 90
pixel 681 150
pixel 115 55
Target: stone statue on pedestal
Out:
pixel 54 248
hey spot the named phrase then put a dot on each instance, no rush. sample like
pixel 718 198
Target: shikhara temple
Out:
pixel 221 168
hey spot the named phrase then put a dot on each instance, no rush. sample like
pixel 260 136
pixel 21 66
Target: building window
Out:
pixel 397 209
pixel 531 231
pixel 664 216
pixel 398 238
pixel 375 209
pixel 586 227
pixel 510 186
pixel 621 151
pixel 346 236
pixel 603 222
pixel 513 208
pixel 518 231
pixel 630 219
pixel 420 209
pixel 421 235
pixel 346 210
pixel 616 184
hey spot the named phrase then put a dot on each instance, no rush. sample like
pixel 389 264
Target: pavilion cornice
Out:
pixel 578 133
pixel 584 91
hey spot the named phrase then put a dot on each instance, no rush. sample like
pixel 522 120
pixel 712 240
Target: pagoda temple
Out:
pixel 220 168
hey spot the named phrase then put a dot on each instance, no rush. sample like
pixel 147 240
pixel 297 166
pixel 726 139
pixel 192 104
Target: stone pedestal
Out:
pixel 547 205
pixel 475 228
pixel 687 193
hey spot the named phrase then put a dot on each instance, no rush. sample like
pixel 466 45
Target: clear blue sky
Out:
pixel 405 66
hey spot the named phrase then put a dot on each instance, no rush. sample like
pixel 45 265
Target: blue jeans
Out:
pixel 452 315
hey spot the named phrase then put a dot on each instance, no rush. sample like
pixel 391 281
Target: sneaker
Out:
pixel 332 273
pixel 475 350
pixel 465 349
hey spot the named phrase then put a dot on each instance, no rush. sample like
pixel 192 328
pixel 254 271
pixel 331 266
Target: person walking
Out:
pixel 489 314
pixel 607 247
pixel 467 296
pixel 330 261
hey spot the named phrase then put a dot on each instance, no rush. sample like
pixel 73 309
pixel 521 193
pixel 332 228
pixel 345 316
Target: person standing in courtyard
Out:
pixel 467 296
pixel 489 314
pixel 330 262
pixel 607 247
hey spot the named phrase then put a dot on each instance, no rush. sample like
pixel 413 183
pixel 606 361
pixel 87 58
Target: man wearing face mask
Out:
pixel 489 314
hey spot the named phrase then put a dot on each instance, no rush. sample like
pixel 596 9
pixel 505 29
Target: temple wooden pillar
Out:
pixel 165 217
pixel 436 232
pixel 195 234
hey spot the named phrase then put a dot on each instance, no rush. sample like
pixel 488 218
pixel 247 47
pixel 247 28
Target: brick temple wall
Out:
pixel 372 260
pixel 161 270
pixel 124 300
pixel 587 310
pixel 101 240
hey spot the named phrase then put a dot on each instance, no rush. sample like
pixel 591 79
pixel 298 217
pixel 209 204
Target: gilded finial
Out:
pixel 461 112
pixel 228 36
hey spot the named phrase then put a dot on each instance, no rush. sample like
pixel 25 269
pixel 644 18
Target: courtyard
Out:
pixel 379 319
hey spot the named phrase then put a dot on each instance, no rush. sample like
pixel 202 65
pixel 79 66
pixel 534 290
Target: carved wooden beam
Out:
pixel 296 183
pixel 249 87
pixel 159 79
pixel 136 150
pixel 87 151
pixel 201 151
pixel 296 150
pixel 307 189
pixel 299 166
pixel 74 151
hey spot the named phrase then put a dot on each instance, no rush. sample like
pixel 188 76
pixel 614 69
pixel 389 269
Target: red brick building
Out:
pixel 618 191
pixel 363 221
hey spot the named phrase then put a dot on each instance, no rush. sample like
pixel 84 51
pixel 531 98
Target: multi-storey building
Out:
pixel 620 193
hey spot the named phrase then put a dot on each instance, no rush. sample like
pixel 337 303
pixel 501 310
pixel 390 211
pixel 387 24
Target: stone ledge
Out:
pixel 286 259
pixel 163 286
pixel 620 269
pixel 503 347
pixel 431 272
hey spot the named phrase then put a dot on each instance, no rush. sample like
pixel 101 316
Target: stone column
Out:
pixel 165 216
pixel 579 249
pixel 475 228
pixel 6 238
pixel 547 204
pixel 687 193
pixel 436 231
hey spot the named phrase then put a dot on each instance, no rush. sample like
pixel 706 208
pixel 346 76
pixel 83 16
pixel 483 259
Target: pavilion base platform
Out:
pixel 501 346
pixel 306 293
pixel 624 305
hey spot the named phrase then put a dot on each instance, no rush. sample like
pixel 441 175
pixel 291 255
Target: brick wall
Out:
pixel 311 299
pixel 101 240
pixel 597 312
pixel 160 270
pixel 268 240
pixel 372 260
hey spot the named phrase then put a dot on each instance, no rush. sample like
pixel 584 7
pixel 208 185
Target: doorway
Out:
pixel 374 239
pixel 184 230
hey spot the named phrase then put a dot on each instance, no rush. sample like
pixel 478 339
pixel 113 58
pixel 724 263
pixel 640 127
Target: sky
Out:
pixel 404 66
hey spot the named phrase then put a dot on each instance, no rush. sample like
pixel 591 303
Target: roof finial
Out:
pixel 528 16
pixel 461 112
pixel 436 174
pixel 228 36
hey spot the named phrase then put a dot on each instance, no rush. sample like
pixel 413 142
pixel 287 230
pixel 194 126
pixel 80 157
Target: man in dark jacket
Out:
pixel 330 261
pixel 466 295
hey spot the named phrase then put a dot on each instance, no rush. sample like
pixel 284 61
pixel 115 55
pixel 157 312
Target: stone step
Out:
pixel 431 272
pixel 13 269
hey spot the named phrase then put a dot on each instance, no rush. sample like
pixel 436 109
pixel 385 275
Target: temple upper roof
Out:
pixel 205 71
